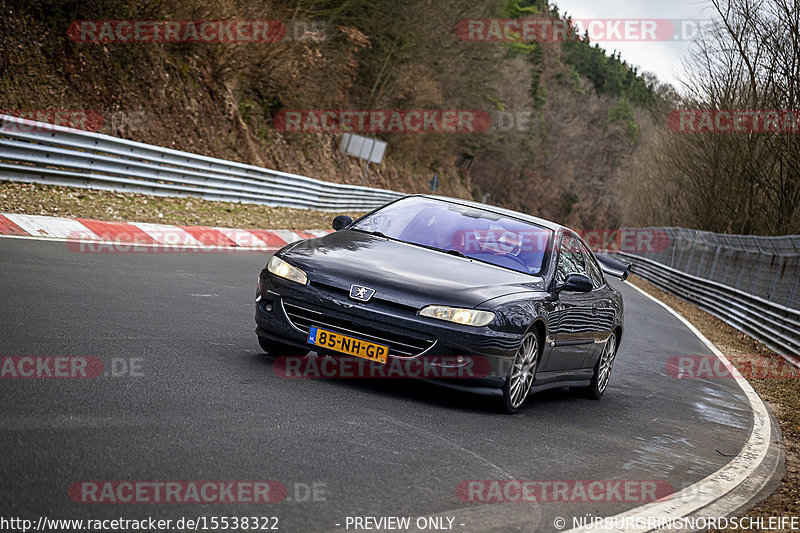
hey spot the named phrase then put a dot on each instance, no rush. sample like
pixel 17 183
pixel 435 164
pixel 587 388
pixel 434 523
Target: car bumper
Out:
pixel 462 357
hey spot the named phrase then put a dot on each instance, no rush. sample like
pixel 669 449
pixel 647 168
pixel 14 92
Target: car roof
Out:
pixel 499 210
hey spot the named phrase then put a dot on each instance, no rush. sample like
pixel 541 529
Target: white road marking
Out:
pixel 288 236
pixel 40 227
pixel 709 490
pixel 167 234
pixel 244 238
pixel 54 227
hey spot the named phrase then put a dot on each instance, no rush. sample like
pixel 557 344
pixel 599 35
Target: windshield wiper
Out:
pixel 457 253
pixel 376 233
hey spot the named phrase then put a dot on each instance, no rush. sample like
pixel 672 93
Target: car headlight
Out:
pixel 282 269
pixel 468 317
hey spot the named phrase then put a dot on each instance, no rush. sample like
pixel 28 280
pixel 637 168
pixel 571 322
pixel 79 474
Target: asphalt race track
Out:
pixel 205 404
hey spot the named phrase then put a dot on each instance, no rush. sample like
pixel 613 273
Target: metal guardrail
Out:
pixel 768 267
pixel 776 326
pixel 44 153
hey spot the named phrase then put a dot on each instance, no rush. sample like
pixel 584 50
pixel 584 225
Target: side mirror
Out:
pixel 341 222
pixel 575 283
pixel 613 267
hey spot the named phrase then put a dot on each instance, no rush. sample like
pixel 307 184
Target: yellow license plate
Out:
pixel 349 345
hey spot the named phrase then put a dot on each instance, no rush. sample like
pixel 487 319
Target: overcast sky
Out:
pixel 661 57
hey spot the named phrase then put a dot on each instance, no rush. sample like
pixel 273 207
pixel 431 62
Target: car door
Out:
pixel 573 331
pixel 603 311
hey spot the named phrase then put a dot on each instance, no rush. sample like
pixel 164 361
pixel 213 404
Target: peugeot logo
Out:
pixel 362 294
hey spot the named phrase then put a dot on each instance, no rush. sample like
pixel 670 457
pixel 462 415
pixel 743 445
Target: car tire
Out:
pixel 602 371
pixel 522 373
pixel 275 348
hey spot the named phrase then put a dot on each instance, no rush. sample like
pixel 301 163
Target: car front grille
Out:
pixel 405 344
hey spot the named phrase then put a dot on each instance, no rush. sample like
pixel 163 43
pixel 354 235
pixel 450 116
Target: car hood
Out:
pixel 404 273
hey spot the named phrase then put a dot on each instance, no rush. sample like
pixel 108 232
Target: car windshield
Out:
pixel 460 230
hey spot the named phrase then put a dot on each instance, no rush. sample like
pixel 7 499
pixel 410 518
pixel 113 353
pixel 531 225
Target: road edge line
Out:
pixel 711 489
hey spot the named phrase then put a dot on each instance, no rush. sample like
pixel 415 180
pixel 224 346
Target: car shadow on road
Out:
pixel 429 393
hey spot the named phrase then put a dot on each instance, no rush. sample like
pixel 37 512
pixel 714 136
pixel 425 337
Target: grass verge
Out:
pixel 51 200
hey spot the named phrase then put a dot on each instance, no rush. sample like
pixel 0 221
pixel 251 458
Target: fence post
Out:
pixel 746 256
pixel 673 244
pixel 730 259
pixel 717 249
pixel 776 275
pixel 793 291
pixel 680 256
pixel 761 259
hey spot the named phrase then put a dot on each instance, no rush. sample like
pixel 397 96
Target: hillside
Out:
pixel 582 112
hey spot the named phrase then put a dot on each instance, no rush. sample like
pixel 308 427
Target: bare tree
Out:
pixel 741 182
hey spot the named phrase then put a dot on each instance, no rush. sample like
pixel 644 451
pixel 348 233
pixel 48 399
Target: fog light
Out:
pixel 268 307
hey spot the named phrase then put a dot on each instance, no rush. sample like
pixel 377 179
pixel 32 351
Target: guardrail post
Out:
pixel 92 160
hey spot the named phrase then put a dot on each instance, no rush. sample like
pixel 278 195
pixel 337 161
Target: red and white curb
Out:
pixel 86 235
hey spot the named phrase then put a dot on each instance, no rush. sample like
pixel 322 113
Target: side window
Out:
pixel 565 260
pixel 591 266
pixel 570 258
